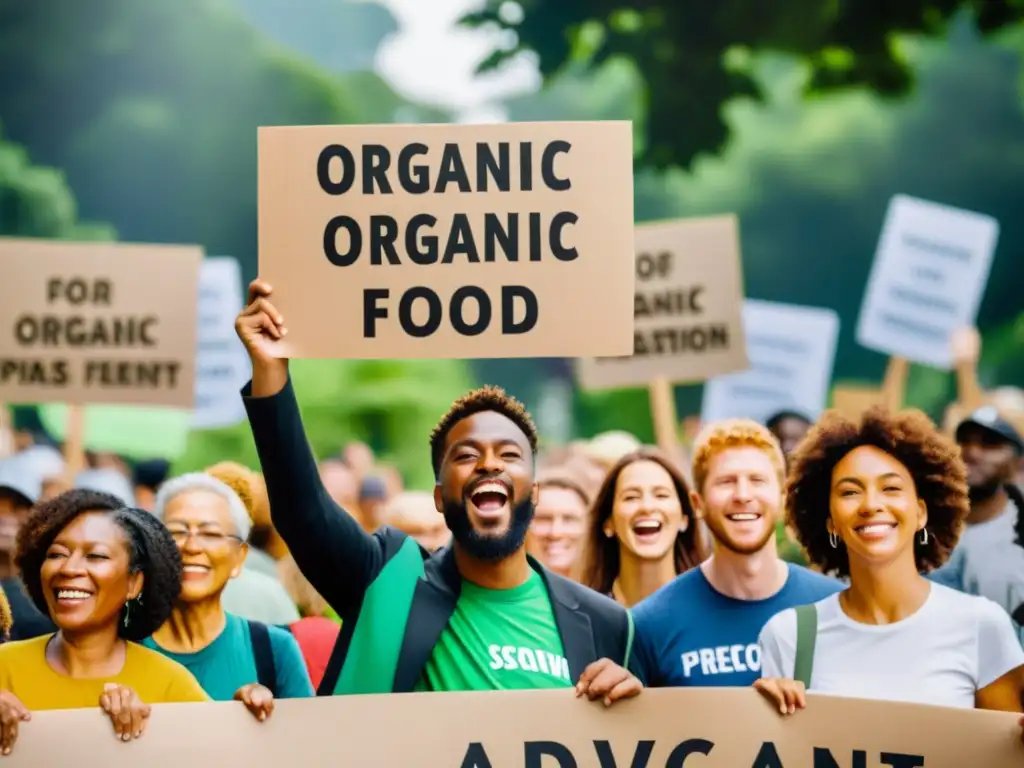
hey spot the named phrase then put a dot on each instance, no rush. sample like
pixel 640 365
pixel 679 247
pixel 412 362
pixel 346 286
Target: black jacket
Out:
pixel 394 597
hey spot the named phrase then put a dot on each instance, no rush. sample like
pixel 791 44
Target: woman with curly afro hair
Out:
pixel 880 502
pixel 107 576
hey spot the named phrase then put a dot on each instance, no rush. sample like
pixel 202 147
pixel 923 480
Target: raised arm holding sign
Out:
pixel 476 615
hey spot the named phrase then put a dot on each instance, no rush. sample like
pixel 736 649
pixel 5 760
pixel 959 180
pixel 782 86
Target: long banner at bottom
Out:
pixel 682 728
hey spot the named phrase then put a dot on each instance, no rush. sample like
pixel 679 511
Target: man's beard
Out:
pixel 722 538
pixel 984 491
pixel 486 548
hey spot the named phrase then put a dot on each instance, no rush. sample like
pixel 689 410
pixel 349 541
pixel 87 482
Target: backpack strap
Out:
pixel 806 635
pixel 263 653
pixel 631 633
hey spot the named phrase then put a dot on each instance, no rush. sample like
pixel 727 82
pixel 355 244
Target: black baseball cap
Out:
pixel 987 418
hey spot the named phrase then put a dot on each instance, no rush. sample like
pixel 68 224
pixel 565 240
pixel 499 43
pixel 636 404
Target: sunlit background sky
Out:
pixel 431 60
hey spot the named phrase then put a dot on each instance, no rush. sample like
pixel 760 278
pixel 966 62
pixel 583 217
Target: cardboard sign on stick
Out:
pixel 98 322
pixel 689 294
pixel 449 241
pixel 927 280
pixel 662 728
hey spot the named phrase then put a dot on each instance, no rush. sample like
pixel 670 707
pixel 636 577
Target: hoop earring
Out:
pixel 924 537
pixel 833 539
pixel 128 610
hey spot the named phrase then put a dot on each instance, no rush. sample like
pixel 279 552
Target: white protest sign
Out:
pixel 927 280
pixel 222 366
pixel 791 350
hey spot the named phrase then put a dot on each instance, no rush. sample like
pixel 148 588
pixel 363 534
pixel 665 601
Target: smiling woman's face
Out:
pixel 211 551
pixel 86 576
pixel 874 506
pixel 647 514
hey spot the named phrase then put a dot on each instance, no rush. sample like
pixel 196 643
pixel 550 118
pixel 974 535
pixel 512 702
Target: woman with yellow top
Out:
pixel 107 576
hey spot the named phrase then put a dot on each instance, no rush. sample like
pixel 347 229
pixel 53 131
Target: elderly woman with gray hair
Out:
pixel 232 658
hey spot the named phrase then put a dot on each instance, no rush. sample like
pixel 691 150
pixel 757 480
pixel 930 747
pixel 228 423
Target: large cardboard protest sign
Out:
pixel 662 728
pixel 98 322
pixel 689 291
pixel 928 277
pixel 222 364
pixel 442 241
pixel 792 351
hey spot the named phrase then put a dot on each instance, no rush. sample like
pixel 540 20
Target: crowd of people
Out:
pixel 605 566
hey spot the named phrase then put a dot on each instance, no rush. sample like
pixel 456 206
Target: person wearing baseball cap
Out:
pixel 373 495
pixel 989 558
pixel 20 488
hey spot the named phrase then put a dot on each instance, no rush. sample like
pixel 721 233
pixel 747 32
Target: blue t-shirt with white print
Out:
pixel 690 634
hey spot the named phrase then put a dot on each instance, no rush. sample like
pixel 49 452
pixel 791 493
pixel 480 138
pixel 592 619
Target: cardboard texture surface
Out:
pixel 532 221
pixel 111 323
pixel 688 307
pixel 852 401
pixel 736 728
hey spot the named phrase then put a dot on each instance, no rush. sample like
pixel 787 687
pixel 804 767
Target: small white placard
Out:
pixel 792 350
pixel 927 280
pixel 222 365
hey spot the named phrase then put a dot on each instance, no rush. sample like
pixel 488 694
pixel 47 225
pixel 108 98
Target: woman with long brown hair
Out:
pixel 643 530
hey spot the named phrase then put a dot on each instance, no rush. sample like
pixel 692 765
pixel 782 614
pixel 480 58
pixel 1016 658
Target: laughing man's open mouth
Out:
pixel 490 496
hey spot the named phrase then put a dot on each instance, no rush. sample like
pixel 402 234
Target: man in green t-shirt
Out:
pixel 478 614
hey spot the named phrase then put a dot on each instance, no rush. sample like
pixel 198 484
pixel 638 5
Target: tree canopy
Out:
pixel 151 110
pixel 694 56
pixel 810 180
pixel 35 201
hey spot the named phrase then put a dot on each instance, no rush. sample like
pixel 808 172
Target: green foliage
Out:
pixel 390 404
pixel 151 109
pixel 810 180
pixel 132 431
pixel 694 56
pixel 1002 355
pixel 156 130
pixel 35 201
pixel 628 409
pixel 206 448
pixel 789 550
